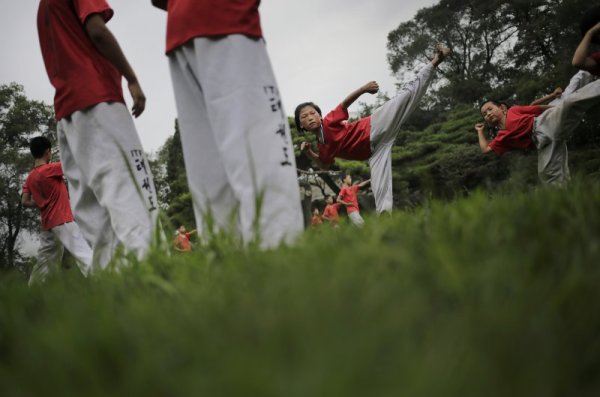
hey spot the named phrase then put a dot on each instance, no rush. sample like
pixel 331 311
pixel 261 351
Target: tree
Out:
pixel 20 119
pixel 171 181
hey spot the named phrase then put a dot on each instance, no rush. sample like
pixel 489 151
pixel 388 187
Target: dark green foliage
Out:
pixel 170 177
pixel 487 296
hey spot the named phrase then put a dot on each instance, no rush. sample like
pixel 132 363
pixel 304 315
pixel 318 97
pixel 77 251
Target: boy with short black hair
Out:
pixel 45 189
pixel 112 190
pixel 545 127
pixel 236 141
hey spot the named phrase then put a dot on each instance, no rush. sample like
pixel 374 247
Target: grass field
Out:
pixel 486 296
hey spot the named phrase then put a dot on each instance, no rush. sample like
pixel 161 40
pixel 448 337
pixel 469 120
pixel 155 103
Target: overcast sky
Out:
pixel 321 50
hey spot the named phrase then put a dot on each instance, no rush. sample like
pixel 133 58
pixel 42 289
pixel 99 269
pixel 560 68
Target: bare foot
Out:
pixel 441 53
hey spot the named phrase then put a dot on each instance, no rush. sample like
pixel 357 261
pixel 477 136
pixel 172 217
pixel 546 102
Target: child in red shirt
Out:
pixel 331 211
pixel 182 241
pixel 234 131
pixel 544 127
pixel 45 189
pixel 370 138
pixel 348 198
pixel 112 190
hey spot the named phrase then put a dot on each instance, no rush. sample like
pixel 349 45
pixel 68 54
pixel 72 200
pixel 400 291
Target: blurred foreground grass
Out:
pixel 481 297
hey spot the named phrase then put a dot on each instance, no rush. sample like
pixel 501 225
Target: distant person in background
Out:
pixel 348 198
pixel 110 181
pixel 45 189
pixel 182 242
pixel 234 130
pixel 331 212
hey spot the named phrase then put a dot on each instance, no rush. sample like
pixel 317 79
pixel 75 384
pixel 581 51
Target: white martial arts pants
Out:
pixel 385 126
pixel 110 184
pixel 356 219
pixel 236 141
pixel 553 128
pixel 53 242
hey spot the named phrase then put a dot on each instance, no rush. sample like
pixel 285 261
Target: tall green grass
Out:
pixel 485 296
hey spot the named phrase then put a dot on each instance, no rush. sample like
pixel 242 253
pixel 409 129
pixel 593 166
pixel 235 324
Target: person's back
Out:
pixel 102 156
pixel 45 189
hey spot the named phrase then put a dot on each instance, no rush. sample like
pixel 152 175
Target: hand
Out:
pixel 371 87
pixel 557 92
pixel 305 147
pixel 139 99
pixel 480 127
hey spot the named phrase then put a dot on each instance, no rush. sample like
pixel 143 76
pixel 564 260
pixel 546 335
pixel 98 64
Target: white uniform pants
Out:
pixel 385 126
pixel 553 127
pixel 110 184
pixel 236 141
pixel 356 219
pixel 52 245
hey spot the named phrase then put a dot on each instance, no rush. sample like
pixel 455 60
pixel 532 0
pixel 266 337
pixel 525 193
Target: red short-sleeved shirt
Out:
pixel 596 57
pixel 331 212
pixel 188 19
pixel 81 75
pixel 47 188
pixel 350 141
pixel 517 134
pixel 182 240
pixel 348 195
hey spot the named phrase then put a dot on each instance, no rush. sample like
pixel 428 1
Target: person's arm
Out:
pixel 162 4
pixel 307 149
pixel 544 100
pixel 580 58
pixel 371 87
pixel 108 46
pixel 27 200
pixel 484 145
pixel 364 183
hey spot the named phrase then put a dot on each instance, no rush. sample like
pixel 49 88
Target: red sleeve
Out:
pixel 86 8
pixel 355 188
pixel 54 170
pixel 25 188
pixel 498 146
pixel 535 110
pixel 333 119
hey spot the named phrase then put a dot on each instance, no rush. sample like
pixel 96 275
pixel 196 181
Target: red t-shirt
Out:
pixel 331 212
pixel 188 19
pixel 596 57
pixel 183 241
pixel 519 125
pixel 348 195
pixel 47 188
pixel 81 75
pixel 350 141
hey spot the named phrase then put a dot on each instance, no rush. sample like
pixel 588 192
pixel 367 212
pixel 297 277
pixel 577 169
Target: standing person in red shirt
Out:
pixel 183 240
pixel 234 131
pixel 331 211
pixel 544 127
pixel 370 138
pixel 348 198
pixel 45 189
pixel 112 190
